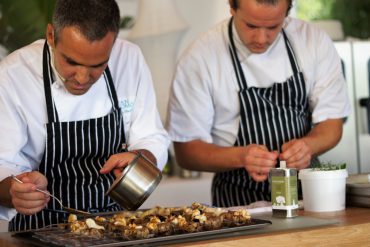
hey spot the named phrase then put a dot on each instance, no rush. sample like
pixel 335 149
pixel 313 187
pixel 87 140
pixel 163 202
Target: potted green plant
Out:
pixel 23 21
pixel 324 187
pixel 126 23
pixel 354 15
pixel 329 166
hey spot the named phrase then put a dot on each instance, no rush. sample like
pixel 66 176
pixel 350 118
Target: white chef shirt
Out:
pixel 23 108
pixel 204 101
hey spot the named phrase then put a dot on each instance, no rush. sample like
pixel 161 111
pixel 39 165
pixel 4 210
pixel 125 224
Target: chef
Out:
pixel 258 88
pixel 74 110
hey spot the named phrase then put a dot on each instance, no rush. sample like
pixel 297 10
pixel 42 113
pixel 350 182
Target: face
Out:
pixel 259 24
pixel 79 61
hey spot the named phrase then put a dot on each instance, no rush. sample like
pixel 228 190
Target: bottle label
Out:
pixel 284 192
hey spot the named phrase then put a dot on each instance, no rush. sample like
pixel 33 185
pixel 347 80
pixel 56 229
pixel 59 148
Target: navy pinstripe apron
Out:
pixel 268 116
pixel 74 154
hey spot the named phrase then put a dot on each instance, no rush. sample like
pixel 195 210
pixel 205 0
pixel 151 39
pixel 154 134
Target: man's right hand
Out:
pixel 24 197
pixel 258 161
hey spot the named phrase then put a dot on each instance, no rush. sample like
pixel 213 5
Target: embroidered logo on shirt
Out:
pixel 126 105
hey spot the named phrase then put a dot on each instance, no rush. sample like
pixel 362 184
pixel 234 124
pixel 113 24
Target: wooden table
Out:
pixel 351 228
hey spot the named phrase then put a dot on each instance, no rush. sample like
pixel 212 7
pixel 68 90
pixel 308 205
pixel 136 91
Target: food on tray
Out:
pixel 159 221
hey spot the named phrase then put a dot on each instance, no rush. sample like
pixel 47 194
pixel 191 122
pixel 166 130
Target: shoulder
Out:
pixel 25 62
pixel 24 56
pixel 208 46
pixel 305 33
pixel 126 57
pixel 311 44
pixel 127 64
pixel 125 49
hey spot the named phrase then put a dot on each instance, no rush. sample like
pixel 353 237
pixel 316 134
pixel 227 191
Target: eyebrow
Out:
pixel 73 62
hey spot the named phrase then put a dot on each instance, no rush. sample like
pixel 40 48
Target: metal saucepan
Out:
pixel 138 180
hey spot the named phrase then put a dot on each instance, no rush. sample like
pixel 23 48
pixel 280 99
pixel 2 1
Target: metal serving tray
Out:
pixel 56 236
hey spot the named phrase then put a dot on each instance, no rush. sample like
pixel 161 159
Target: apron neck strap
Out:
pixel 291 55
pixel 236 62
pixel 48 80
pixel 235 59
pixel 111 89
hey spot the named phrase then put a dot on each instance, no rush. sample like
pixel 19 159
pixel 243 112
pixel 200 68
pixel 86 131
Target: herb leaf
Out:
pixel 329 166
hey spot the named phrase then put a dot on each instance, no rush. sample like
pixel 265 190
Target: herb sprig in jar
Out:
pixel 329 166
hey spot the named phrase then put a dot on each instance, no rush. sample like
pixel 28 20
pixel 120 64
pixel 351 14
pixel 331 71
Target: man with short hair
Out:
pixel 74 110
pixel 257 88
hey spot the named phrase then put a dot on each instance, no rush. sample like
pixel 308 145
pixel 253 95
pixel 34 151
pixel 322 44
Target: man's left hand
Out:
pixel 297 154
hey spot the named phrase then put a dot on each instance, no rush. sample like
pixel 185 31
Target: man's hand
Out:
pixel 297 154
pixel 25 199
pixel 117 162
pixel 321 138
pixel 201 156
pixel 258 161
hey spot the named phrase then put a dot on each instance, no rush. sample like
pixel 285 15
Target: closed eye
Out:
pixel 251 26
pixel 71 62
pixel 74 63
pixel 273 27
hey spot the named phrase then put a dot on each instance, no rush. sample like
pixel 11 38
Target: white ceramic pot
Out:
pixel 323 191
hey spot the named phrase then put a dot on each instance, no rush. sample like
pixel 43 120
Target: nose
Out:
pixel 261 36
pixel 82 75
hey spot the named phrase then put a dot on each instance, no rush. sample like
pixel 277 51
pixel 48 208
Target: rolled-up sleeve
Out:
pixel 329 98
pixel 12 161
pixel 146 130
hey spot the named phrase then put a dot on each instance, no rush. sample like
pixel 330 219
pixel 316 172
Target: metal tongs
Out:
pixel 67 209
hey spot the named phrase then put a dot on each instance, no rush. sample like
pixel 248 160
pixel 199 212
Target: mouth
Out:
pixel 260 47
pixel 77 88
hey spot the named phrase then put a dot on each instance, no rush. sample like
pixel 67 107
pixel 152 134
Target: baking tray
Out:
pixel 56 236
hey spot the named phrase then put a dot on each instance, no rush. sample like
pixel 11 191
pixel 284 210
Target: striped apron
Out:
pixel 268 116
pixel 74 154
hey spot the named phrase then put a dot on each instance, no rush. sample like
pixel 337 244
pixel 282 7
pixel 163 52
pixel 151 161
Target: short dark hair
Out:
pixel 93 18
pixel 234 4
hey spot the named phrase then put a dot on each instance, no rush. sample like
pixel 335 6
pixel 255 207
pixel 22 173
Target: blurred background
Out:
pixel 23 21
pixel 164 28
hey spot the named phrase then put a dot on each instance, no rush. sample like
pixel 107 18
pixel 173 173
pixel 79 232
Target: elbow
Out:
pixel 339 133
pixel 183 156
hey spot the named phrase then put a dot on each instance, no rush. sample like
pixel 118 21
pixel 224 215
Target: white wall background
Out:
pixel 201 15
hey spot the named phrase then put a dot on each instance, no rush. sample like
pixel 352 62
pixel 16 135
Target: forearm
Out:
pixel 201 156
pixel 147 154
pixel 324 136
pixel 5 198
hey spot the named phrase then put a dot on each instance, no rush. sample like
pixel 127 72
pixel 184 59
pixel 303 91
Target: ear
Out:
pixel 232 11
pixel 231 4
pixel 50 35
